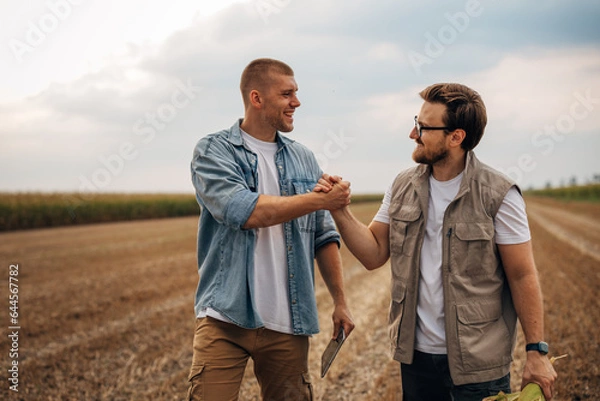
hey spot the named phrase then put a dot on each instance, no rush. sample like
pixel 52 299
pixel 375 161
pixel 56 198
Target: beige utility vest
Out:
pixel 480 319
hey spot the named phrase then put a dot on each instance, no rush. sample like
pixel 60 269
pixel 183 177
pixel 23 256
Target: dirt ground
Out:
pixel 106 311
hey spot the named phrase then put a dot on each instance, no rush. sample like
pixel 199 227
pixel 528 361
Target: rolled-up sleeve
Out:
pixel 220 184
pixel 325 232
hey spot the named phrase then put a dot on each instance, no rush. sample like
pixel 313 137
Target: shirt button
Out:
pixel 291 276
pixel 294 301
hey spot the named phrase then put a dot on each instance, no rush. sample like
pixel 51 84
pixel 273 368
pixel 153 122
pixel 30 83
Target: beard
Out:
pixel 278 122
pixel 423 156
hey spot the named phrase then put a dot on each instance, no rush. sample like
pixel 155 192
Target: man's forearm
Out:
pixel 527 298
pixel 271 210
pixel 526 293
pixel 330 266
pixel 370 248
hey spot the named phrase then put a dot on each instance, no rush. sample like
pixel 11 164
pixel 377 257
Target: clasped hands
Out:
pixel 336 190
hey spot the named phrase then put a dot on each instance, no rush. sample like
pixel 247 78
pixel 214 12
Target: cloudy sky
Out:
pixel 112 96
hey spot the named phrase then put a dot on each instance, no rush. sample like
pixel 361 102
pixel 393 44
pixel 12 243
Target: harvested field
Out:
pixel 106 311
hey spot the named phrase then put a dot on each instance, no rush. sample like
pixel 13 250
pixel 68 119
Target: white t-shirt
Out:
pixel 271 295
pixel 510 226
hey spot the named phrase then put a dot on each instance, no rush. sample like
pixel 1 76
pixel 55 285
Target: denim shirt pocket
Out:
pixel 306 223
pixel 248 164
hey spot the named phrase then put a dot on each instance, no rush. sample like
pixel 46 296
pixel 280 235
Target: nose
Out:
pixel 413 133
pixel 295 101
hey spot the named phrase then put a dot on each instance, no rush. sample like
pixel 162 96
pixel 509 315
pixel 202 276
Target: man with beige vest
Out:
pixel 461 258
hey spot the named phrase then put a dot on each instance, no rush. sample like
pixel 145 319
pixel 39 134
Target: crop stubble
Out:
pixel 107 311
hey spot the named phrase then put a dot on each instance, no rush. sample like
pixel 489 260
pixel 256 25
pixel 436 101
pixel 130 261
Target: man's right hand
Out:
pixel 336 192
pixel 325 183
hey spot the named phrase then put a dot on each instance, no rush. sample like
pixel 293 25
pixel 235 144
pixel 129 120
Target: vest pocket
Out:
pixel 473 253
pixel 483 337
pixel 396 312
pixel 404 230
pixel 475 231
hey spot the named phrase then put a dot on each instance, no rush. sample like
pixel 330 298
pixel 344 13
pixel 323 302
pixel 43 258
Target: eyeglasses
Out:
pixel 420 129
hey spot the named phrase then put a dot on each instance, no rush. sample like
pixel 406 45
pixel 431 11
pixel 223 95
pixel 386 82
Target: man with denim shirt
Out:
pixel 261 227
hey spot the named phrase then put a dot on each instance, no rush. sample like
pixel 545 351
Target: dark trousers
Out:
pixel 428 379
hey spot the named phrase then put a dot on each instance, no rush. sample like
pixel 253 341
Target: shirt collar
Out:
pixel 235 136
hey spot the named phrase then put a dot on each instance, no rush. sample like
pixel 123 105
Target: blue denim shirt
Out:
pixel 224 173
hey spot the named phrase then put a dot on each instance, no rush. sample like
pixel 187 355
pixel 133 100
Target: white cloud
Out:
pixel 88 36
pixel 385 51
pixel 528 90
pixel 79 96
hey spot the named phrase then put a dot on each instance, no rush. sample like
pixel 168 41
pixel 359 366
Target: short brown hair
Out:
pixel 256 75
pixel 464 109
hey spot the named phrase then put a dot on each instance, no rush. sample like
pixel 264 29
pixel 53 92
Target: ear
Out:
pixel 255 99
pixel 456 137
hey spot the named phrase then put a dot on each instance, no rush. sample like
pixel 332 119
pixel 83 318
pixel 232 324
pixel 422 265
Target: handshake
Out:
pixel 335 192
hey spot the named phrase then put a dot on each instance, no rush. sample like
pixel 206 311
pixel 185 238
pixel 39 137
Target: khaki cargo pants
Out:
pixel 221 353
